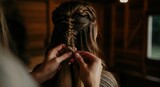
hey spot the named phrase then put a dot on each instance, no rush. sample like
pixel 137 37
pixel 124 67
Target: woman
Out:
pixel 75 26
pixel 12 68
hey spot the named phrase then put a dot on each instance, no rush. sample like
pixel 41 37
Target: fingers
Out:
pixel 59 47
pixel 64 57
pixel 79 59
pixel 54 52
pixel 89 58
pixel 87 55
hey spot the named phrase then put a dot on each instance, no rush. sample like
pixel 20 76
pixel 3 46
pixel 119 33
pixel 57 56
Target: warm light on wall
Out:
pixel 123 1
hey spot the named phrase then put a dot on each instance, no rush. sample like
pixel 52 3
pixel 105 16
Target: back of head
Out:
pixel 75 25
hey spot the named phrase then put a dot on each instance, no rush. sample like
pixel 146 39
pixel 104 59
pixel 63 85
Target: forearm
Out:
pixel 37 76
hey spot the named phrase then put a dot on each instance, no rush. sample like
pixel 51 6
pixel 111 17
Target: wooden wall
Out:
pixel 128 41
pixel 127 45
pixel 35 20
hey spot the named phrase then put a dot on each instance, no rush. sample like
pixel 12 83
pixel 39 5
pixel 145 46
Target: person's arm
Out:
pixel 90 68
pixel 51 64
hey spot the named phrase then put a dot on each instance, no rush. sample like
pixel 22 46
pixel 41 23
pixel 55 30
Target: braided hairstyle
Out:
pixel 74 25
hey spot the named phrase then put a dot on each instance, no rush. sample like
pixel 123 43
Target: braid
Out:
pixel 70 36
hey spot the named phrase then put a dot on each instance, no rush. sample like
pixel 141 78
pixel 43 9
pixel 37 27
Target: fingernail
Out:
pixel 77 55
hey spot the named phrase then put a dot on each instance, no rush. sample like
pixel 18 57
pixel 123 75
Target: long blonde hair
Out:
pixel 4 33
pixel 78 20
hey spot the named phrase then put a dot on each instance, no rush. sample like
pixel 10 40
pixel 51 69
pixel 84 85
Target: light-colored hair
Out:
pixel 5 37
pixel 4 33
pixel 78 20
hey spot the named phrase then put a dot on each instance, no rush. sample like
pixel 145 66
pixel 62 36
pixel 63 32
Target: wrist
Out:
pixel 37 76
pixel 92 84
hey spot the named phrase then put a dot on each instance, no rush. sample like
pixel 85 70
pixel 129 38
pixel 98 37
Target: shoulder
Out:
pixel 108 80
pixel 12 71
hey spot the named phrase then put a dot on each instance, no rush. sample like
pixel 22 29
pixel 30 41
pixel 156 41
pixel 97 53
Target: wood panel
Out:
pixel 34 18
pixel 128 42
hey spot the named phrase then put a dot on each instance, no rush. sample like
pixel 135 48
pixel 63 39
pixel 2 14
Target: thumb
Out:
pixel 79 59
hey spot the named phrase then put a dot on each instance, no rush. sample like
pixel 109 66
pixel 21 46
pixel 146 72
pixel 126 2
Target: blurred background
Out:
pixel 130 30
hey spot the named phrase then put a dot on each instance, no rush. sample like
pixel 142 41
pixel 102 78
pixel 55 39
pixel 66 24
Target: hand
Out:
pixel 51 64
pixel 90 68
